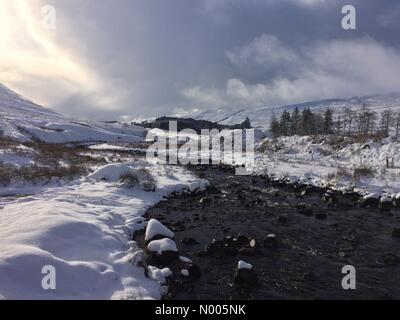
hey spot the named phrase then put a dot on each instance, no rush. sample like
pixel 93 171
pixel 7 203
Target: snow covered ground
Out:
pixel 83 229
pixel 320 163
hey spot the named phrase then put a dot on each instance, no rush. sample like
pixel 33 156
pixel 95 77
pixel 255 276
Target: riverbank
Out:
pixel 314 238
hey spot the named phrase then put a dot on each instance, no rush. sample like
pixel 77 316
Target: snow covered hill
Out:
pixel 23 120
pixel 262 117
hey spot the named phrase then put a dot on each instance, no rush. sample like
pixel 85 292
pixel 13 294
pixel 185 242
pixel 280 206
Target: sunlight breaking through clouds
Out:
pixel 32 58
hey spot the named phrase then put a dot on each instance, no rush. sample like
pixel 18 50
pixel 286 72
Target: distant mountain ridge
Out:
pixel 261 117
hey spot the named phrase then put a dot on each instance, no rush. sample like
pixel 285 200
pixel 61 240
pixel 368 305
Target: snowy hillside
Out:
pixel 262 117
pixel 23 120
pixel 321 161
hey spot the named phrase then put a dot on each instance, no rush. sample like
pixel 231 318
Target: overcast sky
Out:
pixel 138 58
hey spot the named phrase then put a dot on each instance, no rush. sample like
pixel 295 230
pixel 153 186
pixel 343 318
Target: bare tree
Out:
pixel 348 121
pixel 397 125
pixel 371 118
pixel 339 126
pixel 386 121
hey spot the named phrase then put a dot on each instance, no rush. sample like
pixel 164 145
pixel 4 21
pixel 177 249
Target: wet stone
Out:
pixel 194 271
pixel 304 210
pixel 163 259
pixel 246 278
pixel 321 216
pixel 282 218
pixel 270 241
pixel 385 206
pixel 390 259
pixel 247 251
pixel 190 241
pixel 396 233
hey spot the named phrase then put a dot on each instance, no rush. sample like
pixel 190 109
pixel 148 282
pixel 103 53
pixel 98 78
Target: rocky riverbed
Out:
pixel 296 237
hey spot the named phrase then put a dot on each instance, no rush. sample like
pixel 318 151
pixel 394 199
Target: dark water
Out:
pixel 310 252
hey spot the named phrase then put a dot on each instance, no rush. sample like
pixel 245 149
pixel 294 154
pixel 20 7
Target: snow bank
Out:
pixel 126 174
pixel 155 228
pixel 162 245
pixel 111 172
pixel 84 230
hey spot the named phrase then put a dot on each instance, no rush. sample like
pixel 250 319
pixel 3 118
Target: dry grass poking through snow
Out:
pixel 37 174
pixel 51 161
pixel 363 172
pixel 53 154
pixel 358 173
pixel 139 177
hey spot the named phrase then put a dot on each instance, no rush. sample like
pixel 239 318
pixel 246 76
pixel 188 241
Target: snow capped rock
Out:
pixel 159 275
pixel 198 186
pixel 162 245
pixel 386 198
pixel 185 259
pixel 245 275
pixel 156 228
pixel 373 195
pixel 244 265
pixel 386 202
pixel 185 272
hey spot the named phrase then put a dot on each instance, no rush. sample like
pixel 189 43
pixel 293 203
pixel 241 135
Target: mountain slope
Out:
pixel 262 117
pixel 23 120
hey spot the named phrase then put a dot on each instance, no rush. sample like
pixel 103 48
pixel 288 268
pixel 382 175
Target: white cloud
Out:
pixel 337 68
pixel 34 62
pixel 266 51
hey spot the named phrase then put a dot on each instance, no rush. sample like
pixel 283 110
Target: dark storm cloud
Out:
pixel 158 56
